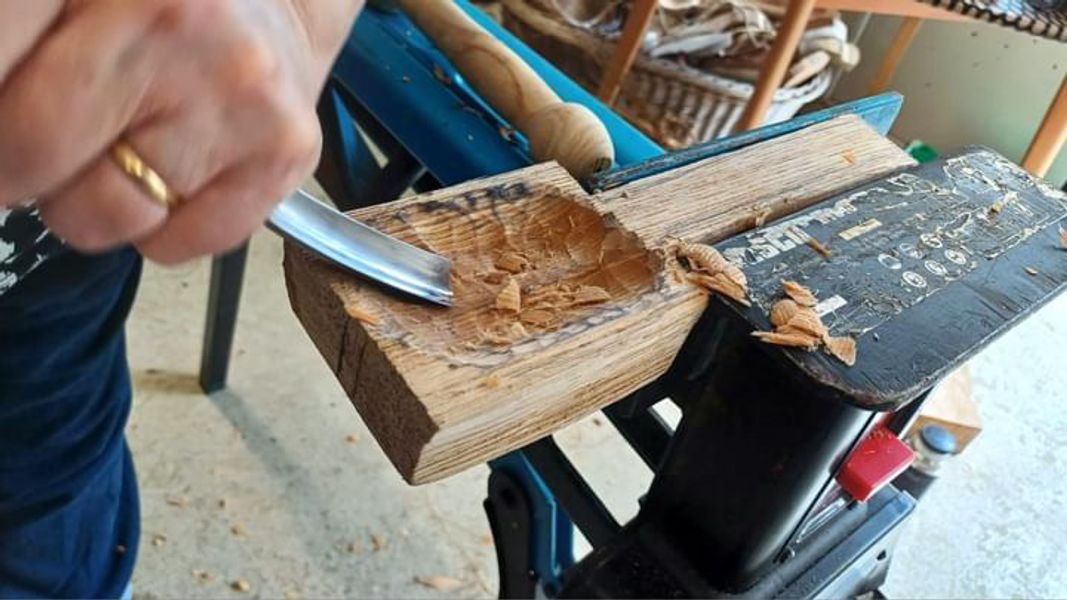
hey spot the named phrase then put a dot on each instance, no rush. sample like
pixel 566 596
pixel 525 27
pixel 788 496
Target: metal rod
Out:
pixel 224 298
pixel 572 492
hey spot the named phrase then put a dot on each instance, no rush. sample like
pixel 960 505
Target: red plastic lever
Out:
pixel 875 462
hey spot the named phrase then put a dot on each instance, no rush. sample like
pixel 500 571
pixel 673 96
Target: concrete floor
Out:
pixel 277 483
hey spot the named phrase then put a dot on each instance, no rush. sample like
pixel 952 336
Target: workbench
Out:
pixel 748 495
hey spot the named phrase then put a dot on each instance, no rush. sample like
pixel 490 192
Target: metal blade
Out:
pixel 325 231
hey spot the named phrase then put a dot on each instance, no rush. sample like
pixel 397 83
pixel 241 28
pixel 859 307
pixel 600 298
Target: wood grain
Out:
pixel 777 63
pixel 1050 137
pixel 441 395
pixel 567 133
pixel 633 34
pixel 722 196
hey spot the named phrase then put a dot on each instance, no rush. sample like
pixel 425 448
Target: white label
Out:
pixel 830 305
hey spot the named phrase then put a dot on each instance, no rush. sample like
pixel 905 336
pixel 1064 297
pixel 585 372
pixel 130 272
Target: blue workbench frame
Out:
pixel 434 130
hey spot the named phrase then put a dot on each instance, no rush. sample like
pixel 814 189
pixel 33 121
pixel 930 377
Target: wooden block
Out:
pixel 951 405
pixel 445 389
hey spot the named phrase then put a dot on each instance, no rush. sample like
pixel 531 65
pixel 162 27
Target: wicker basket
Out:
pixel 676 105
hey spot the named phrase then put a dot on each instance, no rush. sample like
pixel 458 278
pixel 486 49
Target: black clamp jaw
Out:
pixel 925 268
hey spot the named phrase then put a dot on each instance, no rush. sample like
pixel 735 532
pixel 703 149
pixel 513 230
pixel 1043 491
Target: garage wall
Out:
pixel 966 84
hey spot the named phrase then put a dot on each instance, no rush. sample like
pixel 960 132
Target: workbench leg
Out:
pixel 1050 136
pixel 633 34
pixel 770 78
pixel 346 163
pixel 909 27
pixel 224 297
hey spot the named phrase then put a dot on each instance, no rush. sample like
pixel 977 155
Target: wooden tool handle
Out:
pixel 565 132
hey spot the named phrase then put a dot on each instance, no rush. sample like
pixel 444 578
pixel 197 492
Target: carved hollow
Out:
pixel 572 268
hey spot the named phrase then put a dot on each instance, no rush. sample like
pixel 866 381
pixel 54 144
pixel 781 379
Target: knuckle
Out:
pixel 251 71
pixel 185 16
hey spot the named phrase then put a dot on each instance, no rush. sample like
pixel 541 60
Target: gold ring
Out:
pixel 144 176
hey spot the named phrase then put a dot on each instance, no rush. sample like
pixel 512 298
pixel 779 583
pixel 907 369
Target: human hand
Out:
pixel 217 96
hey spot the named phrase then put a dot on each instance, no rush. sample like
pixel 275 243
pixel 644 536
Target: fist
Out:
pixel 217 96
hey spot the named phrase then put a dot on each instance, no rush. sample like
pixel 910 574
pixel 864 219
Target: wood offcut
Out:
pixel 602 310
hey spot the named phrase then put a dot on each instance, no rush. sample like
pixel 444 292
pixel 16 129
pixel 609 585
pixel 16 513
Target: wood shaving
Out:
pixel 999 205
pixel 377 542
pixel 721 284
pixel 590 294
pixel 159 539
pixel 1063 238
pixel 710 270
pixel 782 311
pixel 702 257
pixel 237 529
pixel 804 322
pixel 507 133
pixel 538 317
pixel 442 583
pixel 495 277
pixel 800 294
pixel 794 340
pixel 841 348
pixel 1031 271
pixel 735 274
pixel 762 212
pixel 240 585
pixel 202 576
pixel 550 297
pixel 817 246
pixel 512 262
pixel 797 325
pixel 352 438
pixel 361 315
pixel 179 501
pixel 510 298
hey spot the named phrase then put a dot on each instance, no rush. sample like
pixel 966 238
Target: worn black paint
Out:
pixel 941 276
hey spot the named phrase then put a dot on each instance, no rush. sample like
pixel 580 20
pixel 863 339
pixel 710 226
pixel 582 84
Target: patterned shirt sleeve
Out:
pixel 24 245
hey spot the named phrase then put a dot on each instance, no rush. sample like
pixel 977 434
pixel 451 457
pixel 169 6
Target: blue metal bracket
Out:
pixel 552 533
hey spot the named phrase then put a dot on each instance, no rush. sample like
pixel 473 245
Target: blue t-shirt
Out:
pixel 69 521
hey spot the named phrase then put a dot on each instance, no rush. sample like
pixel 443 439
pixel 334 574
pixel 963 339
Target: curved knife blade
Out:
pixel 347 242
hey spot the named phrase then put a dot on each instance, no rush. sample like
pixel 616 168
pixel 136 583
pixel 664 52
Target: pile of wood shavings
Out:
pixel 711 271
pixel 542 307
pixel 797 325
